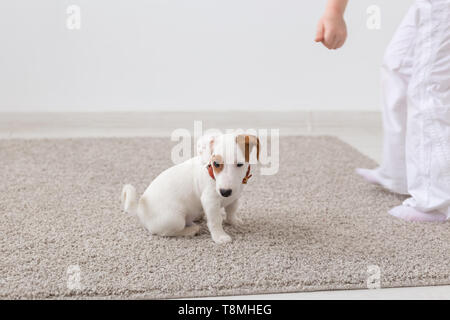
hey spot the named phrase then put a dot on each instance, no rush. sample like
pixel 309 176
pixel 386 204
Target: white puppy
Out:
pixel 200 186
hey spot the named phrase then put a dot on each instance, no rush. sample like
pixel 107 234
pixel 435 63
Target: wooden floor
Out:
pixel 360 129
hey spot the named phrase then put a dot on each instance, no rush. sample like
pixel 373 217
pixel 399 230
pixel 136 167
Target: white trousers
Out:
pixel 416 108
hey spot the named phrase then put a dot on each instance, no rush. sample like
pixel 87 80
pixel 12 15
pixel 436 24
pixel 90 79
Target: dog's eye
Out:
pixel 217 165
pixel 239 165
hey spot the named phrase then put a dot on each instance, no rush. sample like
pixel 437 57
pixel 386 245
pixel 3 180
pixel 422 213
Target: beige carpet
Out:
pixel 313 226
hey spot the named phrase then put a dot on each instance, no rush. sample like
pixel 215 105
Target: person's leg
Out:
pixel 428 123
pixel 395 75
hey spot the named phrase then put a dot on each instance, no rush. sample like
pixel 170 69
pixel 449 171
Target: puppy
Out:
pixel 200 186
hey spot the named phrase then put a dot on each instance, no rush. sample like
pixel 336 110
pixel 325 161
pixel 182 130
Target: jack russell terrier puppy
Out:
pixel 198 187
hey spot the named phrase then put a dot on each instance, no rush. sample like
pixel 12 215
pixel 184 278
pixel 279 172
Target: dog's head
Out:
pixel 229 157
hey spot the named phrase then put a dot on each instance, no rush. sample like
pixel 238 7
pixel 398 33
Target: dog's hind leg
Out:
pixel 175 226
pixel 170 223
pixel 188 231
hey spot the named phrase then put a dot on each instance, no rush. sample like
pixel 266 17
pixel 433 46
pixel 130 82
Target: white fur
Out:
pixel 185 193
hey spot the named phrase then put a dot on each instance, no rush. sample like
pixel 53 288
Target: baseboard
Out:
pixel 66 124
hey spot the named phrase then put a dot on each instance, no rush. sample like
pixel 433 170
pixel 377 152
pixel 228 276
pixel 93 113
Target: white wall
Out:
pixel 187 55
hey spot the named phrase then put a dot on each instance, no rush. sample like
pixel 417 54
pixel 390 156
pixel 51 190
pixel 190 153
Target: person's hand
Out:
pixel 332 31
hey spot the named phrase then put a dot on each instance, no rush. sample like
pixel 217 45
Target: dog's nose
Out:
pixel 225 192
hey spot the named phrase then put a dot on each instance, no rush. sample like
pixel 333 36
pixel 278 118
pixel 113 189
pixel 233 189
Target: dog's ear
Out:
pixel 247 142
pixel 205 146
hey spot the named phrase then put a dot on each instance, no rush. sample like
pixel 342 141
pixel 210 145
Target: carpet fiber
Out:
pixel 313 226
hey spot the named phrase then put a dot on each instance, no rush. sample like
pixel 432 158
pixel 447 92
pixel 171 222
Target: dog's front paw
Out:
pixel 221 238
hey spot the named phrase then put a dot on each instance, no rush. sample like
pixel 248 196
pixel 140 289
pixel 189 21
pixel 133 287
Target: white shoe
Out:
pixel 412 214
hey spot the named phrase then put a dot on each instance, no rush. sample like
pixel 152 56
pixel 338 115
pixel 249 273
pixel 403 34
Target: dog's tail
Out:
pixel 129 199
pixel 135 207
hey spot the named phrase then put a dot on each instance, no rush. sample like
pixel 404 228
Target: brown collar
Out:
pixel 244 181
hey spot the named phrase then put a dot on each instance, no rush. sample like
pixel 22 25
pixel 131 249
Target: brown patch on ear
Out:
pixel 218 159
pixel 246 142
